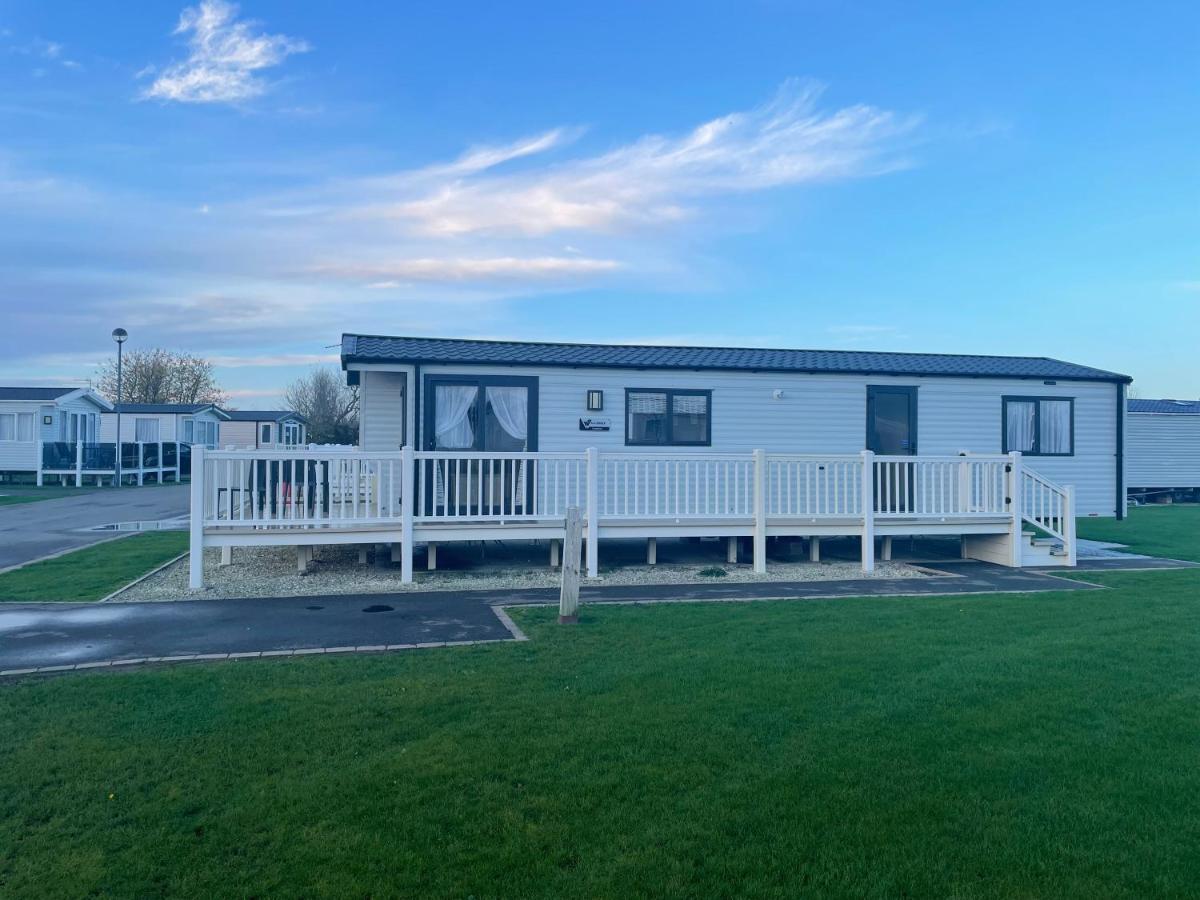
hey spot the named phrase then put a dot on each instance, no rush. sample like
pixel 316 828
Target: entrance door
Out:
pixel 892 431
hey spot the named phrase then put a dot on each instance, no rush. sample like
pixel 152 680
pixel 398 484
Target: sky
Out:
pixel 247 182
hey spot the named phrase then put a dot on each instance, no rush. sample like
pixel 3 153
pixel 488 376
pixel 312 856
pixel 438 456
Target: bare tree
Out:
pixel 330 405
pixel 160 376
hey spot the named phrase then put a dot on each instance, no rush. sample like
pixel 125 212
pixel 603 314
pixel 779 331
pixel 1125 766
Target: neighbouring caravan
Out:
pixel 39 424
pixel 149 423
pixel 1163 450
pixel 267 429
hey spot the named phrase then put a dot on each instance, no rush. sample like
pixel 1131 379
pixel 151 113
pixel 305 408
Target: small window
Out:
pixel 667 418
pixel 266 435
pixel 1039 426
pixel 8 427
pixel 25 426
pixel 146 430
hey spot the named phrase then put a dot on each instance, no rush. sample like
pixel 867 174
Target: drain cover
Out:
pixel 379 607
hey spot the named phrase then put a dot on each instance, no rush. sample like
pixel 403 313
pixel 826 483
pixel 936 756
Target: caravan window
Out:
pixel 1039 426
pixel 667 418
pixel 146 430
pixel 16 426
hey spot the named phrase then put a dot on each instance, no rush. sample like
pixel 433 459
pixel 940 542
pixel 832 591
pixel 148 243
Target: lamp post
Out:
pixel 120 335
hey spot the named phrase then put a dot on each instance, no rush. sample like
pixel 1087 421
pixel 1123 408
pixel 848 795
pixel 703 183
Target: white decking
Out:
pixel 313 497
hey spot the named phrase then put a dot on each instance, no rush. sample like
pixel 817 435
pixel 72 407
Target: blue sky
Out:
pixel 248 182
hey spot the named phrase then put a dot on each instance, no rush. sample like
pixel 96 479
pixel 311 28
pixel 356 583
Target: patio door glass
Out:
pixel 892 431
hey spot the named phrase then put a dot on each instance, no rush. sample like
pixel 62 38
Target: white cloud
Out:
pixel 440 269
pixel 225 59
pixel 655 180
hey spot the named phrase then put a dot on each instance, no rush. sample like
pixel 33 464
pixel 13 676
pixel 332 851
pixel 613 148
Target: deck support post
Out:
pixel 79 464
pixel 196 522
pixel 814 549
pixel 731 551
pixel 651 551
pixel 1015 488
pixel 227 555
pixel 141 462
pixel 40 460
pixel 160 463
pixel 395 554
pixel 431 556
pixel 760 511
pixel 593 512
pixel 554 548
pixel 1069 523
pixel 362 555
pixel 885 550
pixel 407 473
pixel 868 511
pixel 301 560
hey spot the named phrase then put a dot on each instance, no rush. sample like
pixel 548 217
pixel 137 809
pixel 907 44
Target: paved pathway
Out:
pixel 66 636
pixel 29 531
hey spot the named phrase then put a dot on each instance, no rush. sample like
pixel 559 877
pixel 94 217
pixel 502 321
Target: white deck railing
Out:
pixel 304 489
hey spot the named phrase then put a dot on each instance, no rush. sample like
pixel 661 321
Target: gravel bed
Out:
pixel 271 572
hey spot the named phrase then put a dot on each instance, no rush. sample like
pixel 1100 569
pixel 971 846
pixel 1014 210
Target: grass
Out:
pixel 13 494
pixel 992 746
pixel 93 572
pixel 1156 530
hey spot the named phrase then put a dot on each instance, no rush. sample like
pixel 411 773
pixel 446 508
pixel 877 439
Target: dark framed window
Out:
pixel 657 417
pixel 1039 426
pixel 485 412
pixel 266 434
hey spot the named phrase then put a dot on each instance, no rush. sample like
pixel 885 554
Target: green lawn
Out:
pixel 1013 745
pixel 93 572
pixel 12 494
pixel 1157 530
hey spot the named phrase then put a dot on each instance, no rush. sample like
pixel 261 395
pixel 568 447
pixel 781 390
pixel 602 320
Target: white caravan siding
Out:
pixel 21 456
pixel 381 411
pixel 1162 450
pixel 168 423
pixel 816 414
pixel 241 435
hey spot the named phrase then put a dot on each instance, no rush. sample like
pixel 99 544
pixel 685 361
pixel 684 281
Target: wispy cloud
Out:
pixel 454 269
pixel 225 60
pixel 787 141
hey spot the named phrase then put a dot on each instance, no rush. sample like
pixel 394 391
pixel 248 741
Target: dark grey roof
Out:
pixel 263 415
pixel 1167 407
pixel 35 393
pixel 159 409
pixel 358 348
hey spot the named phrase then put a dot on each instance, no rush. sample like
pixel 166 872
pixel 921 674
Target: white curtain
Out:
pixel 1020 416
pixel 511 408
pixel 146 430
pixel 1055 426
pixel 452 428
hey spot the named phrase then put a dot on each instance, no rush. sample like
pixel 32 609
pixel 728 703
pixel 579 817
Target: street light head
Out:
pixel 120 335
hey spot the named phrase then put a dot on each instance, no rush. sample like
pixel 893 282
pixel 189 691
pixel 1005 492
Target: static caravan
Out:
pixel 37 422
pixel 464 440
pixel 151 423
pixel 267 429
pixel 1163 449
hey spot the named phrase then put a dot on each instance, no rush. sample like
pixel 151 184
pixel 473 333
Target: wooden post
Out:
pixel 227 555
pixel 554 559
pixel 1069 523
pixel 1015 497
pixel 760 511
pixel 396 552
pixel 731 550
pixel 593 513
pixel 196 522
pixel 301 561
pixel 362 555
pixel 431 556
pixel 814 549
pixel 868 511
pixel 651 551
pixel 407 473
pixel 885 552
pixel 568 598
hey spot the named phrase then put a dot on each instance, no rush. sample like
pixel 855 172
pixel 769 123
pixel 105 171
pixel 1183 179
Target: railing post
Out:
pixel 964 483
pixel 41 461
pixel 160 462
pixel 1015 501
pixel 760 511
pixel 568 595
pixel 593 512
pixel 141 461
pixel 196 522
pixel 407 474
pixel 868 511
pixel 78 463
pixel 1069 522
